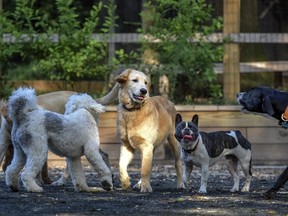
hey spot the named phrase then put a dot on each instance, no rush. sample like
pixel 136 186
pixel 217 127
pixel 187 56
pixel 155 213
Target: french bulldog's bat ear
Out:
pixel 178 119
pixel 267 105
pixel 195 119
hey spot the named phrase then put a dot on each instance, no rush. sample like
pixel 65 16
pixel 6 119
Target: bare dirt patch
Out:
pixel 165 199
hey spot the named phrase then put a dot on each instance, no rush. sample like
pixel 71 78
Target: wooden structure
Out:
pixel 231 57
pixel 269 141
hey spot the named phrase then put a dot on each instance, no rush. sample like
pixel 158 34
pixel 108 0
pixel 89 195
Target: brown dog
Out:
pixel 144 123
pixel 55 102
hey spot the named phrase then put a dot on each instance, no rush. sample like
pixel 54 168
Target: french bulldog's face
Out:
pixel 186 132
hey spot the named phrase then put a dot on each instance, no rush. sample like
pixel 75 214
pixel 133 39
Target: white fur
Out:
pixel 71 136
pixel 200 158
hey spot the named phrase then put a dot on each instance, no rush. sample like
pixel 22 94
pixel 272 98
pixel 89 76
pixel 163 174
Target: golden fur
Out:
pixel 144 123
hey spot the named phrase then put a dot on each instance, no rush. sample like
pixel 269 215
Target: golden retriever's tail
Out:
pixel 21 101
pixel 110 97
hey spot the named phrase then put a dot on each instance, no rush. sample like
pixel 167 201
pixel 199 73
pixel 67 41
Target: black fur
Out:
pixel 224 142
pixel 204 149
pixel 272 102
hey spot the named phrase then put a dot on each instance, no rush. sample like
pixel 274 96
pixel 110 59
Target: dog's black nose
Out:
pixel 186 131
pixel 143 91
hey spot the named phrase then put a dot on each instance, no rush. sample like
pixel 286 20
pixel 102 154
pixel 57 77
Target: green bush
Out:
pixel 188 63
pixel 62 49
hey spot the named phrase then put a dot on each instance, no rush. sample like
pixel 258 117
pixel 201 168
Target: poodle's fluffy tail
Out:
pixel 84 100
pixel 21 101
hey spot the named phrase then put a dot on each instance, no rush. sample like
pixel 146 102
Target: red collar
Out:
pixel 284 116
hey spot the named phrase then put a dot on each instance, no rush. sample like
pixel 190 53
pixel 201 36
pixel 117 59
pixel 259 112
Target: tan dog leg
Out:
pixel 8 157
pixel 147 157
pixel 175 147
pixel 126 155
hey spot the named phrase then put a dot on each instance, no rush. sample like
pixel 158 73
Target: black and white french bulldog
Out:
pixel 204 149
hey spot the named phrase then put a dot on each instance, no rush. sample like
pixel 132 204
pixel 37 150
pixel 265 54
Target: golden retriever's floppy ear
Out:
pixel 123 77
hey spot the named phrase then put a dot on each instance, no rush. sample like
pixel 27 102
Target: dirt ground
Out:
pixel 165 199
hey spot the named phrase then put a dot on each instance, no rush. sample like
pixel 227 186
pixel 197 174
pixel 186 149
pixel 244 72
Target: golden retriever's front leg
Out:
pixel 126 155
pixel 147 157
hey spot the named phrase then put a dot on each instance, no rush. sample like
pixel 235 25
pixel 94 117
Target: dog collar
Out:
pixel 284 116
pixel 130 109
pixel 192 150
pixel 284 119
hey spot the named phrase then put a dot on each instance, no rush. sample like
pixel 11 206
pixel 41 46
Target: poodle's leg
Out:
pixel 95 159
pixel 77 174
pixel 35 161
pixel 13 170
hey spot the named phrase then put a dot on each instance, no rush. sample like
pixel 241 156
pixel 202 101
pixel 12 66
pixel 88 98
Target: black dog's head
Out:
pixel 261 100
pixel 186 132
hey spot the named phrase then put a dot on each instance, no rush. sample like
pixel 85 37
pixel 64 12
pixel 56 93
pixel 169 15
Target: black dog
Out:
pixel 265 100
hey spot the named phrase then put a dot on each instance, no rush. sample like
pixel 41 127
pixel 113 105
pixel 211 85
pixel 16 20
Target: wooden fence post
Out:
pixel 231 71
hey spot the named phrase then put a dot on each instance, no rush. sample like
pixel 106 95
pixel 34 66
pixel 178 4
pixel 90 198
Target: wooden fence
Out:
pixel 269 141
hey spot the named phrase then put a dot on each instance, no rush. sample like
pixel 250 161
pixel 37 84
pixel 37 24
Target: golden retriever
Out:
pixel 144 123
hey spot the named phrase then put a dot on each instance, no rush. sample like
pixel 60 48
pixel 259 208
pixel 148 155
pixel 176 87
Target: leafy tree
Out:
pixel 59 49
pixel 173 27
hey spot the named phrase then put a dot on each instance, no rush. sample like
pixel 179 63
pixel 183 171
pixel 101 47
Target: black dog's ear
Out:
pixel 195 119
pixel 267 105
pixel 178 119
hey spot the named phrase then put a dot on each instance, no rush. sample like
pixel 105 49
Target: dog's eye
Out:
pixel 135 80
pixel 146 82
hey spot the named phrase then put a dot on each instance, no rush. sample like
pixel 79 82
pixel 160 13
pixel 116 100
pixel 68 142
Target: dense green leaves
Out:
pixel 188 62
pixel 62 48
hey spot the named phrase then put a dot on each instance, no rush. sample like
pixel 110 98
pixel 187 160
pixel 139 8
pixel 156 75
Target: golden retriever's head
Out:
pixel 134 88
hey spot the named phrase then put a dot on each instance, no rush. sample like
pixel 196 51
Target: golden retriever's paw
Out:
pixel 143 187
pixel 125 185
pixel 146 189
pixel 137 185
